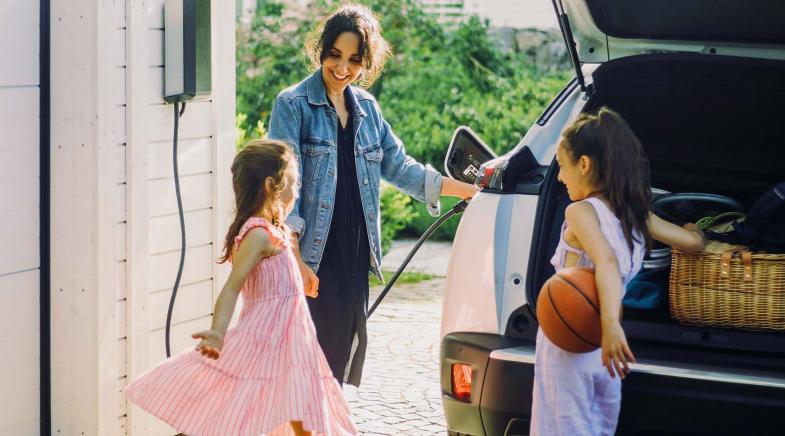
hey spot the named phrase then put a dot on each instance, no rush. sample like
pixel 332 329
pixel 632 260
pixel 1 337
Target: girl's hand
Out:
pixel 689 238
pixel 310 280
pixel 212 341
pixel 692 227
pixel 616 353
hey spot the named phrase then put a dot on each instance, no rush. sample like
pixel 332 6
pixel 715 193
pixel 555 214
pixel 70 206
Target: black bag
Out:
pixel 764 227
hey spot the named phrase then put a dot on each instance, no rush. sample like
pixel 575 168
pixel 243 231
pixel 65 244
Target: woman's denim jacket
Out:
pixel 303 118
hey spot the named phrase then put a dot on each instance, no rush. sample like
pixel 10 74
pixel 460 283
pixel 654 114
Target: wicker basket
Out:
pixel 728 288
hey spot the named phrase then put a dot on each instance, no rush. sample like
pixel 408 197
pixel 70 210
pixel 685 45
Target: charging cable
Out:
pixel 178 112
pixel 457 209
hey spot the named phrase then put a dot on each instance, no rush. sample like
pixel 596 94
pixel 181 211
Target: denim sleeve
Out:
pixel 420 181
pixel 284 126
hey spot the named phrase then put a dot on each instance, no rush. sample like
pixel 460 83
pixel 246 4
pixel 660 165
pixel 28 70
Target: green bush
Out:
pixel 396 214
pixel 422 220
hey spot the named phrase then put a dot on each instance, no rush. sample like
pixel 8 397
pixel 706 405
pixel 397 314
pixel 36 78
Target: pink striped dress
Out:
pixel 271 369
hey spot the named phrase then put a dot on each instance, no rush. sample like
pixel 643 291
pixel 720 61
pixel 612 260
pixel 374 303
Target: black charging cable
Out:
pixel 457 209
pixel 178 112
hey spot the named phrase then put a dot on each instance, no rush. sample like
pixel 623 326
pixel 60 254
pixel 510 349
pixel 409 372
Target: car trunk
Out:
pixel 708 124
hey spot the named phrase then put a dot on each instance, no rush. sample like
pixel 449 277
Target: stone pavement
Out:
pixel 431 258
pixel 400 392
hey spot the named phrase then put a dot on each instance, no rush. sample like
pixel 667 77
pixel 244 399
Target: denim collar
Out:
pixel 317 94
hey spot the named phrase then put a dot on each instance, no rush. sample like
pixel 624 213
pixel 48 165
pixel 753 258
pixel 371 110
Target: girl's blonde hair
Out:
pixel 259 160
pixel 358 19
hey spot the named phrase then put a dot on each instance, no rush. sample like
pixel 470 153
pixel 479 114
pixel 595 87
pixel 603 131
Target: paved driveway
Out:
pixel 400 393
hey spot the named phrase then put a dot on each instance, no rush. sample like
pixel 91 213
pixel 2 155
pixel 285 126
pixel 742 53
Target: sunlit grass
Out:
pixel 405 278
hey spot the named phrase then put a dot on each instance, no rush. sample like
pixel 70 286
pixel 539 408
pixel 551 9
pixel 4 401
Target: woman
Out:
pixel 345 147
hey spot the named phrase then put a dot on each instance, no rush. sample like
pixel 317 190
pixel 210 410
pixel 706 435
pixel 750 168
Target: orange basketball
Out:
pixel 568 310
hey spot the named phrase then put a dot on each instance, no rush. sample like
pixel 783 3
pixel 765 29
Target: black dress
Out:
pixel 339 313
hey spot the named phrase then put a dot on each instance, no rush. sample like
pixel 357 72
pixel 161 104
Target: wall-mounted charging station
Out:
pixel 186 50
pixel 187 76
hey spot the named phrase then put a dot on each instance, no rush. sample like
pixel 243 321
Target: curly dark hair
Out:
pixel 360 20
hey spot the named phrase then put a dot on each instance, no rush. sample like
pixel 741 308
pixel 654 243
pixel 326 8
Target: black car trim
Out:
pixel 706 21
pixel 526 355
pixel 569 41
pixel 557 102
pixel 539 238
pixel 44 240
pixel 473 349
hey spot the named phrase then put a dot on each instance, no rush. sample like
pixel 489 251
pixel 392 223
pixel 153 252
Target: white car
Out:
pixel 702 83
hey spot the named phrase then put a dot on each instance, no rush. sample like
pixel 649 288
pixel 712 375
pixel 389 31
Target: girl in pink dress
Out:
pixel 268 374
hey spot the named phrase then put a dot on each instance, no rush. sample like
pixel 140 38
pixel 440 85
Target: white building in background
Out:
pixel 88 220
pixel 446 11
pixel 518 14
pixel 246 8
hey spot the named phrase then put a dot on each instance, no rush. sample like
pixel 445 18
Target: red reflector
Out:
pixel 462 381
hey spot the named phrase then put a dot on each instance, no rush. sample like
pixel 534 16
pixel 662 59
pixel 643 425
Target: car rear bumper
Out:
pixel 658 398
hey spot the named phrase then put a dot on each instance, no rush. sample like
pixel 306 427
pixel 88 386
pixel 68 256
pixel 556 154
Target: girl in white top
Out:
pixel 608 228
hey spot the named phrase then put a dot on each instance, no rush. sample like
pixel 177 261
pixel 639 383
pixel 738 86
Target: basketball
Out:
pixel 568 310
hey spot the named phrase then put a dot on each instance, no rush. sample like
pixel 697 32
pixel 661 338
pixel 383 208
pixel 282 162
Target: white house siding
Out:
pixel 206 148
pixel 19 217
pixel 122 201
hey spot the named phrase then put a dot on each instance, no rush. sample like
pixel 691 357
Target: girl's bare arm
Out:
pixel 585 225
pixel 254 247
pixel 688 238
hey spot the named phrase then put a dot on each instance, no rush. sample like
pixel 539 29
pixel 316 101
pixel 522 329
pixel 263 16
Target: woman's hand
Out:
pixel 616 354
pixel 454 188
pixel 212 341
pixel 310 280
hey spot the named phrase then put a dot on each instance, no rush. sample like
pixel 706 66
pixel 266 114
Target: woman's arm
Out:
pixel 454 188
pixel 688 239
pixel 422 182
pixel 255 246
pixel 583 223
pixel 285 123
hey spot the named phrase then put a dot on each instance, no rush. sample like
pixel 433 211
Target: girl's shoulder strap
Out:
pixel 277 235
pixel 601 209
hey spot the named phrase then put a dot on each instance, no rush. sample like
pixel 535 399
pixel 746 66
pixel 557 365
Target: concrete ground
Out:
pixel 400 392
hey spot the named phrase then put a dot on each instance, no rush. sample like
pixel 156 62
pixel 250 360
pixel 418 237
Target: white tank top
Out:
pixel 629 262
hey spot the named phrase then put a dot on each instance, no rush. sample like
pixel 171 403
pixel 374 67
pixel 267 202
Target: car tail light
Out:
pixel 462 381
pixel 490 174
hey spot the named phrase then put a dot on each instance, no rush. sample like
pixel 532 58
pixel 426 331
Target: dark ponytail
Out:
pixel 621 168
